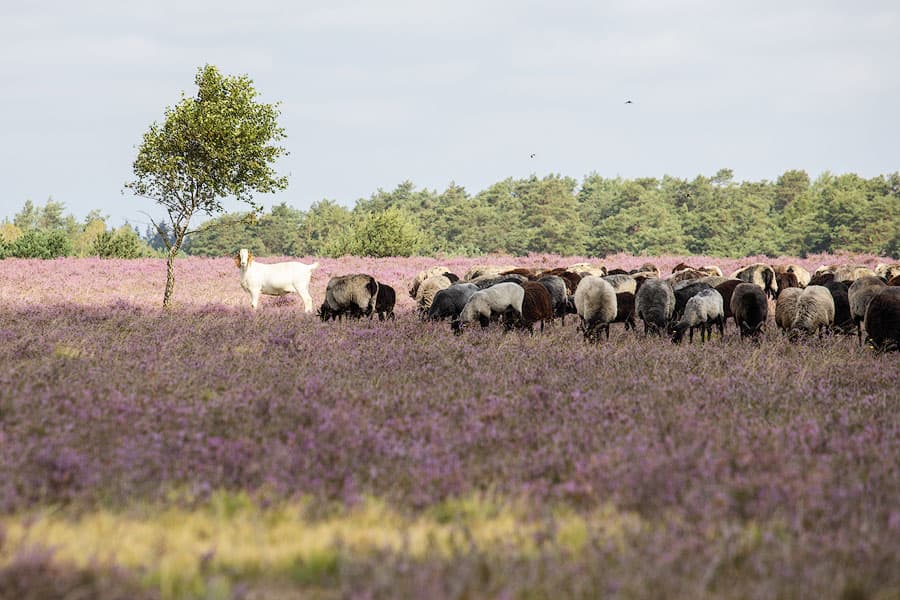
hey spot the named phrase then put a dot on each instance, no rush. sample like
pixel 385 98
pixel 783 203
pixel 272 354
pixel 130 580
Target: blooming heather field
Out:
pixel 213 452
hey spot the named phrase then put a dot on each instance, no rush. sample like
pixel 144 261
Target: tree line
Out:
pixel 714 216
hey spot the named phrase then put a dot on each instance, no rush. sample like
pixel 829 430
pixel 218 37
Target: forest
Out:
pixel 715 216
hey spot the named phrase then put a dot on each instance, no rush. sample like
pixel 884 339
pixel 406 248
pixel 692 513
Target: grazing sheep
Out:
pixel 449 302
pixel 821 278
pixel 503 299
pixel 711 271
pixel 595 303
pixel 761 274
pixel 431 286
pixel 814 312
pixel 714 280
pixel 536 305
pixel 617 272
pixel 703 310
pixel 487 281
pixel 486 271
pixel 852 272
pixel 351 295
pixel 385 301
pixel 275 279
pixel 422 276
pixel 587 268
pixel 685 293
pixel 529 274
pixel 786 280
pixel 860 294
pixel 685 275
pixel 654 303
pixel 726 288
pixel 886 271
pixel 750 309
pixel 572 280
pixel 894 281
pixel 622 283
pixel 786 307
pixel 648 268
pixel 682 267
pixel 625 310
pixel 556 287
pixel 883 320
pixel 799 272
pixel 843 320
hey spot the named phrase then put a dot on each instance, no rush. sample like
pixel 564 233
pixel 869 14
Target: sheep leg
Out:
pixel 307 299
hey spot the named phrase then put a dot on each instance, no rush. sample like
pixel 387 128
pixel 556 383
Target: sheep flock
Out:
pixel 842 299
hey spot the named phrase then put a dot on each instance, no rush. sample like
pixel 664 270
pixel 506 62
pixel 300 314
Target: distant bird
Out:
pixel 629 102
pixel 532 156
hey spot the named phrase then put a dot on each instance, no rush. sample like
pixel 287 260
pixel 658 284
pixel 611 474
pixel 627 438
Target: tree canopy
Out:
pixel 221 143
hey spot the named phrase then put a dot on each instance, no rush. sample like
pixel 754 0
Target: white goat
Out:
pixel 276 279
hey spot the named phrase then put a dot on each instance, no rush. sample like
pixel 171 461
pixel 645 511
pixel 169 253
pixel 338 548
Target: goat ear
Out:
pixel 237 259
pixel 249 257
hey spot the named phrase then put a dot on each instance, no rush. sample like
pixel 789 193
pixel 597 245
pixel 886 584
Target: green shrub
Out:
pixel 385 233
pixel 40 243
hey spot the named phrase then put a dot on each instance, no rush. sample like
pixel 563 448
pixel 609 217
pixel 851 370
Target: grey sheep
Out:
pixel 704 309
pixel 860 294
pixel 351 295
pixel 750 308
pixel 503 299
pixel 595 302
pixel 622 283
pixel 449 302
pixel 786 307
pixel 815 310
pixel 556 287
pixel 653 304
pixel 761 274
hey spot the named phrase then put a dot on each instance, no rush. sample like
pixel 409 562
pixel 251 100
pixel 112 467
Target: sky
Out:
pixel 375 93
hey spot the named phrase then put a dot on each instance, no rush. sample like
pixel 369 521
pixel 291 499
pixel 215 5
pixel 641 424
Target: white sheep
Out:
pixel 275 279
pixel 596 304
pixel 815 310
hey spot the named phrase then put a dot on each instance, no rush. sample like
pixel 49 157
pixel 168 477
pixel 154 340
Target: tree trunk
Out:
pixel 170 267
pixel 170 279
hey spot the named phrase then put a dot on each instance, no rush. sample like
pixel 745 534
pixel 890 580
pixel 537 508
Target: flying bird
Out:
pixel 629 102
pixel 532 156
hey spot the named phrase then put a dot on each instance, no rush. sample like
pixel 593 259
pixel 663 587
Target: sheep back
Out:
pixel 749 308
pixel 786 307
pixel 815 310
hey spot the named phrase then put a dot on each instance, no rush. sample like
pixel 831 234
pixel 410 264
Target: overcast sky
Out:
pixel 377 92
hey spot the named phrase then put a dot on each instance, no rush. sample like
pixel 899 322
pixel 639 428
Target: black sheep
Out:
pixel 384 302
pixel 883 320
pixel 750 308
pixel 843 319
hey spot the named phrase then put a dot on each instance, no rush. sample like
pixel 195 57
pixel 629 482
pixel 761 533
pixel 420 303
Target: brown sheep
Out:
pixel 536 305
